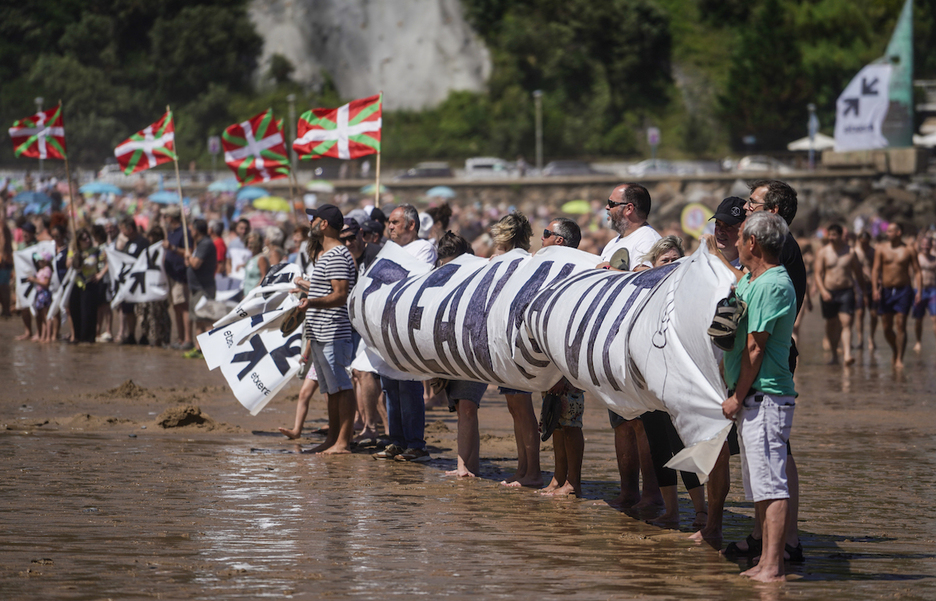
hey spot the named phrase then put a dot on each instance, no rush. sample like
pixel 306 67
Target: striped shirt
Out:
pixel 327 325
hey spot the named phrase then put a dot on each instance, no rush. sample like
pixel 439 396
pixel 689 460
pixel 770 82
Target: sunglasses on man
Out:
pixel 613 205
pixel 549 234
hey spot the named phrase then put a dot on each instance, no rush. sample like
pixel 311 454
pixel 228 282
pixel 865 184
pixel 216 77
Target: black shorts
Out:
pixel 843 301
pixel 127 308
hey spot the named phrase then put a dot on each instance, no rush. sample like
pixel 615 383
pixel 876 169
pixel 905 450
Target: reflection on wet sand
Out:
pixel 103 508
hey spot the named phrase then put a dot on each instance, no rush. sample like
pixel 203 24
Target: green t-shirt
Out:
pixel 771 302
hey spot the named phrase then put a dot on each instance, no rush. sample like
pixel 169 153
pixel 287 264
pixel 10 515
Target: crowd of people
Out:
pixel 888 279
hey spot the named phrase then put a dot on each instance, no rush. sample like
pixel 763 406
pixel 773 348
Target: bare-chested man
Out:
pixel 864 251
pixel 895 271
pixel 927 260
pixel 837 270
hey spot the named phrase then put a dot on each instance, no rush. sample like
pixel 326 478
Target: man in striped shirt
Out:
pixel 329 278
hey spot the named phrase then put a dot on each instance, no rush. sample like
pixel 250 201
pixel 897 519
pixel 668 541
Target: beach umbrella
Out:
pixel 441 192
pixel 369 189
pixel 251 193
pixel 272 203
pixel 165 197
pixel 100 188
pixel 576 207
pixel 37 207
pixel 822 142
pixel 320 185
pixel 224 185
pixel 29 197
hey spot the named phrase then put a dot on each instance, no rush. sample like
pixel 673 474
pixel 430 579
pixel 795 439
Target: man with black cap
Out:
pixel 373 232
pixel 328 328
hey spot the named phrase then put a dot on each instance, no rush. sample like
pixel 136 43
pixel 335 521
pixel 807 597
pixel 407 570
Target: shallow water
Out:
pixel 122 512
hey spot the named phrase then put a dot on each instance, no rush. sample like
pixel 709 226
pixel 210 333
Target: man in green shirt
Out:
pixel 762 395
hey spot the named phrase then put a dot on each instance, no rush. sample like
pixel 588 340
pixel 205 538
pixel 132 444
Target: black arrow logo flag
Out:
pixel 869 88
pixel 252 357
pixel 851 104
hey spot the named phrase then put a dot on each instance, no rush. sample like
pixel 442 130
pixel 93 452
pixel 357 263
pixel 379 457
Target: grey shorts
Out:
pixel 332 361
pixel 458 390
pixel 764 424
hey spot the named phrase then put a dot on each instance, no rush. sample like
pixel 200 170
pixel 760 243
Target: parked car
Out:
pixel 760 163
pixel 487 167
pixel 653 167
pixel 427 169
pixel 555 168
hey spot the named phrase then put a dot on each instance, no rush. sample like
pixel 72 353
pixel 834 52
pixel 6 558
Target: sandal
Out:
pixel 754 548
pixel 795 553
pixel 728 314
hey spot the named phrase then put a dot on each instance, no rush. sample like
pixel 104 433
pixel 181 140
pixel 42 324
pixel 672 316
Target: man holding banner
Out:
pixel 178 278
pixel 132 243
pixel 328 327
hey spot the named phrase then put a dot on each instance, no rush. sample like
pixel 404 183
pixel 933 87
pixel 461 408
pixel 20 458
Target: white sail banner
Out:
pixel 861 109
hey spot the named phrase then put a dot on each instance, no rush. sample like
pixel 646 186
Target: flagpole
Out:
pixel 178 179
pixel 293 185
pixel 71 192
pixel 377 186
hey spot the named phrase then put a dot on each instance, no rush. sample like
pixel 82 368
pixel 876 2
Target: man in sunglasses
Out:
pixel 628 207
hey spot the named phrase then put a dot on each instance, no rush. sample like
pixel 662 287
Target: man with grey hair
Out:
pixel 761 391
pixel 562 231
pixel 406 410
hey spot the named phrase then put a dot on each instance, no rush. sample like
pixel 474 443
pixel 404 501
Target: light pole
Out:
pixel 39 100
pixel 292 131
pixel 813 130
pixel 538 103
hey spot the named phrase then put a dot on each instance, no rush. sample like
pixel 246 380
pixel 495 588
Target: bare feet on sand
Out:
pixel 23 336
pixel 335 450
pixel 565 490
pixel 759 575
pixel 526 481
pixel 290 434
pixel 713 536
pixel 623 501
pixel 460 473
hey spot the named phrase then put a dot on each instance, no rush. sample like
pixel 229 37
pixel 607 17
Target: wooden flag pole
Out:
pixel 71 191
pixel 377 187
pixel 179 185
pixel 293 185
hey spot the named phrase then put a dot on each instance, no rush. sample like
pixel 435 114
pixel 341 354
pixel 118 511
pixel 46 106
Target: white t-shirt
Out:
pixel 424 250
pixel 637 243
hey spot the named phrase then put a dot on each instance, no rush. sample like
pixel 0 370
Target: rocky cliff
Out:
pixel 416 51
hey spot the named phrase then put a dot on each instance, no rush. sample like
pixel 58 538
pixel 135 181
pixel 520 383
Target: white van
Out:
pixel 487 168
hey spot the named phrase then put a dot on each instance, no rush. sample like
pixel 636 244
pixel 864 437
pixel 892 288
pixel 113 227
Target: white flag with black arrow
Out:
pixel 861 109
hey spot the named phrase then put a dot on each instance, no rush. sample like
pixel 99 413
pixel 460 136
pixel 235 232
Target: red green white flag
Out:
pixel 347 132
pixel 149 147
pixel 41 136
pixel 255 150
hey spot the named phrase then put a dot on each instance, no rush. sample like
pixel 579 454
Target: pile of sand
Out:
pixel 180 417
pixel 127 390
pixel 86 421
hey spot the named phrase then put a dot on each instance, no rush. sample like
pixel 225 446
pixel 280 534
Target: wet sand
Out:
pixel 99 500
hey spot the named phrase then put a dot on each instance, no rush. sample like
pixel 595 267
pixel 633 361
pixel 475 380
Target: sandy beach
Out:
pixel 132 473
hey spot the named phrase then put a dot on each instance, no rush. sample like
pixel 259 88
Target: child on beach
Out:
pixel 43 297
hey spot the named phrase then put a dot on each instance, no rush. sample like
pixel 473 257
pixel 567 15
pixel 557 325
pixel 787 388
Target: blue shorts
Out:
pixel 5 275
pixel 332 360
pixel 505 390
pixel 927 301
pixel 896 300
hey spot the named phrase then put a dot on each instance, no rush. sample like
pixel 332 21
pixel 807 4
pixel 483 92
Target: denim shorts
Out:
pixel 764 424
pixel 331 361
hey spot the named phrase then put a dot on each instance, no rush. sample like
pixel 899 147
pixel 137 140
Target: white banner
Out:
pixel 138 279
pixel 462 320
pixel 26 267
pixel 861 109
pixel 257 369
pixel 272 291
pixel 637 341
